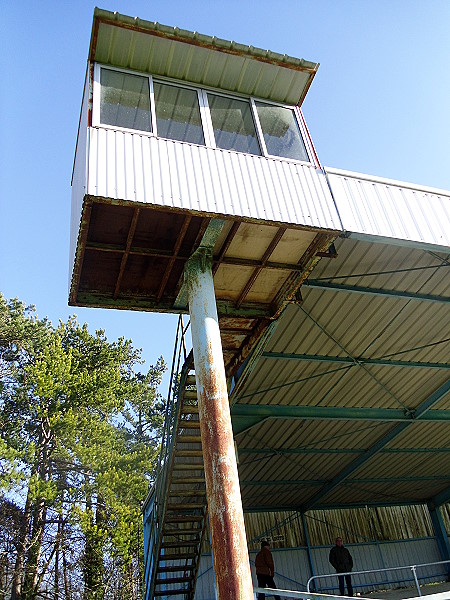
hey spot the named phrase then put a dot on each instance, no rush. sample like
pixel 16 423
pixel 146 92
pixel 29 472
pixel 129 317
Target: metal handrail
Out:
pixel 412 568
pixel 297 594
pixel 156 499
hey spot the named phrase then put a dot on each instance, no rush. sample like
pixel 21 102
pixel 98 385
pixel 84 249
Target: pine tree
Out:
pixel 80 430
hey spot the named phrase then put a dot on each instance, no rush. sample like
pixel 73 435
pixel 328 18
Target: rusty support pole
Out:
pixel 229 542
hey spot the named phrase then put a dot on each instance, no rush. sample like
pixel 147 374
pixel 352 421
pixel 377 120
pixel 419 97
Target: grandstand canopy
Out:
pixel 347 403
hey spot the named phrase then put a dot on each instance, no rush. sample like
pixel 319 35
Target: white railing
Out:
pixel 310 596
pixel 299 595
pixel 411 568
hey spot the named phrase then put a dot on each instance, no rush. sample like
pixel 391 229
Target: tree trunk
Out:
pixel 21 545
pixel 57 552
pixel 67 589
pixel 39 516
pixel 93 553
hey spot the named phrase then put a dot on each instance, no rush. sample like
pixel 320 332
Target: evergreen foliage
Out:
pixel 79 439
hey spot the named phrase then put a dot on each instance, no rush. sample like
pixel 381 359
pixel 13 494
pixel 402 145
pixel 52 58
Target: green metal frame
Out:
pixel 356 360
pixel 246 416
pixel 375 448
pixel 341 287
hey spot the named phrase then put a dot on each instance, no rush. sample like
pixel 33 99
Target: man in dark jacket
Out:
pixel 265 569
pixel 342 561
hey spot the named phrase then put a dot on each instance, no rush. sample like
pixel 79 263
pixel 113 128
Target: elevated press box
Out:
pixel 178 129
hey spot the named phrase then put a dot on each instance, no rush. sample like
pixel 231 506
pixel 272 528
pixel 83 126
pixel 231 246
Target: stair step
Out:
pixel 188 494
pixel 181 532
pixel 186 506
pixel 189 453
pixel 175 568
pixel 189 424
pixel 172 580
pixel 184 556
pixel 170 592
pixel 187 480
pixel 185 519
pixel 179 466
pixel 190 380
pixel 189 409
pixel 180 544
pixel 193 439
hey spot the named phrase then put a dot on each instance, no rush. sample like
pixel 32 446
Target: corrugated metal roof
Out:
pixel 373 206
pixel 356 325
pixel 206 60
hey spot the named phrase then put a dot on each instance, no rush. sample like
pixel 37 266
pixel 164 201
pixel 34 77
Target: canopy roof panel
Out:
pixel 348 402
pixel 209 61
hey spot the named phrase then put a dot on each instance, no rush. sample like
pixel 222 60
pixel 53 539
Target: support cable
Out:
pixel 289 383
pixel 355 363
pixel 375 273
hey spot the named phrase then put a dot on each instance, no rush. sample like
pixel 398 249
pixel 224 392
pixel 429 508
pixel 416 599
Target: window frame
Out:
pixel 248 99
pixel 304 134
pixel 205 114
pixel 96 92
pixel 198 91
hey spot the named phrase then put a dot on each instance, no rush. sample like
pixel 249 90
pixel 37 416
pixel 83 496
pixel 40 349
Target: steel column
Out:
pixel 308 549
pixel 229 542
pixel 440 533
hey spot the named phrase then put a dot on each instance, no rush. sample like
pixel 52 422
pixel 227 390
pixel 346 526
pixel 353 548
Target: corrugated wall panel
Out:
pixel 79 178
pixel 292 569
pixel 391 209
pixel 134 167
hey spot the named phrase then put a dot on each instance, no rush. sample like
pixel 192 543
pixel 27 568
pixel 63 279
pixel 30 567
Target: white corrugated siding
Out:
pixel 391 209
pixel 135 167
pixel 79 178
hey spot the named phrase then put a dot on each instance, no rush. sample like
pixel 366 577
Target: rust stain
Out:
pixel 233 579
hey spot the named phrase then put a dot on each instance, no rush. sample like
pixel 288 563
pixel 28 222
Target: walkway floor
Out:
pixel 426 590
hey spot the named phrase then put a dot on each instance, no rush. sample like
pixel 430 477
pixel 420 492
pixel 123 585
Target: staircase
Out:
pixel 176 511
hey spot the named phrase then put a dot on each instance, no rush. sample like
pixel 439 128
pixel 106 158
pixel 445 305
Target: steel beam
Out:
pixel 229 543
pixel 308 548
pixel 246 416
pixel 361 480
pixel 340 287
pixel 377 447
pixel 357 360
pixel 310 450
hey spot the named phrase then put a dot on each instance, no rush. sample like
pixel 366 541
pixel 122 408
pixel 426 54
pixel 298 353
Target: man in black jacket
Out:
pixel 342 561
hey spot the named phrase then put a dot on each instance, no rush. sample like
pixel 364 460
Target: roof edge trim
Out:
pixel 386 181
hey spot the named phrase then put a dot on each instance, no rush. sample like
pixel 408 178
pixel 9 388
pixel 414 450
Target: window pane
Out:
pixel 124 100
pixel 281 131
pixel 178 114
pixel 233 124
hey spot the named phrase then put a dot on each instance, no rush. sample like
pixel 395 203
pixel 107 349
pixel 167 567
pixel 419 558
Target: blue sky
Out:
pixel 379 104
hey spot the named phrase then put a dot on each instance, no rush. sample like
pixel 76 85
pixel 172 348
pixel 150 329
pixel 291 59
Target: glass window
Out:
pixel 233 124
pixel 281 131
pixel 178 114
pixel 124 100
